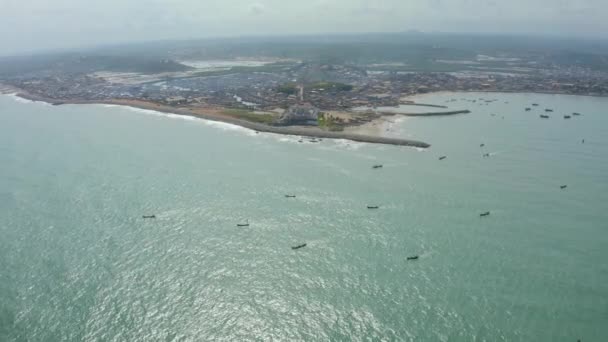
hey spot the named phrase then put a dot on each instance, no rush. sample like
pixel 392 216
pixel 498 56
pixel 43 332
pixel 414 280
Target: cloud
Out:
pixel 39 24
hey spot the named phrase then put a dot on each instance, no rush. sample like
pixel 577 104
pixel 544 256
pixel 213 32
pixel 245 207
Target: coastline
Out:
pixel 413 97
pixel 447 113
pixel 214 114
pixel 367 133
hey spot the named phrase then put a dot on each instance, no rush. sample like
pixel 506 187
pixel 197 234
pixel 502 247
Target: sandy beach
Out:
pixel 362 133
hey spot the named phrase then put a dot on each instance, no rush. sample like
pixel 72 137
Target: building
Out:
pixel 300 115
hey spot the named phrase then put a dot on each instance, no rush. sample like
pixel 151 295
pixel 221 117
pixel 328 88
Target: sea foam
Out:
pixel 217 124
pixel 20 99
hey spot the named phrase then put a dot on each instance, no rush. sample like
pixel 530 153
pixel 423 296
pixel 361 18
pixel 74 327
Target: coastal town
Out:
pixel 290 92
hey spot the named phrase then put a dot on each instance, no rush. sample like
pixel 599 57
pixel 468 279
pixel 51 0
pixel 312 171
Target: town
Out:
pixel 288 91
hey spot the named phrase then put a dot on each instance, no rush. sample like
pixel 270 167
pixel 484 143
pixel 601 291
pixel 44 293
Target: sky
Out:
pixel 33 25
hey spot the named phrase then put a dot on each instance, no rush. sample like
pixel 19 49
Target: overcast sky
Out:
pixel 27 25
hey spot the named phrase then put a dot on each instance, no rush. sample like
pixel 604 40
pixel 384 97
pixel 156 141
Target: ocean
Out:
pixel 79 263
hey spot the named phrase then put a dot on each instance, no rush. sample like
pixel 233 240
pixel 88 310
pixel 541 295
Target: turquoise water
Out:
pixel 78 263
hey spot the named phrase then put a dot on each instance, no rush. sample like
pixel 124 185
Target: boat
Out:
pixel 535 104
pixel 442 158
pixel 486 155
pixel 563 187
pixel 548 110
pixel 373 207
pixel 528 109
pixel 415 257
pixel 567 116
pixel 544 116
pixel 379 166
pixel 576 114
pixel 482 145
pixel 487 213
pixel 149 216
pixel 299 246
pixel 290 196
pixel 246 224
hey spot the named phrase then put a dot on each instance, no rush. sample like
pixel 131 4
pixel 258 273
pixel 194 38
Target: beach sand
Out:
pixel 365 134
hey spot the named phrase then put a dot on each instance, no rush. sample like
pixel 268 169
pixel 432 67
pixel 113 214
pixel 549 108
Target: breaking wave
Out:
pixel 20 99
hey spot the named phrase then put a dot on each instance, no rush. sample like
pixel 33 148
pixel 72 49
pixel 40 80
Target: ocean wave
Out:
pixel 20 99
pixel 216 124
pixel 144 111
pixel 227 126
pixel 348 144
pixel 285 138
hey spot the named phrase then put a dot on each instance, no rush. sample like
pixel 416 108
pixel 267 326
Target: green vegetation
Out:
pixel 421 66
pixel 292 88
pixel 243 114
pixel 330 86
pixel 77 63
pixel 275 67
pixel 289 89
pixel 329 123
pixel 419 51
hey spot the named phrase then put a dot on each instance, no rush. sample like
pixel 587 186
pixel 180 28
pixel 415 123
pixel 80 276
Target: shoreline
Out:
pixel 414 96
pixel 447 113
pixel 213 114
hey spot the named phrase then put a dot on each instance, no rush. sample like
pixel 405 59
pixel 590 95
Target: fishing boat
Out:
pixel 290 196
pixel 544 116
pixel 563 187
pixel 548 110
pixel 415 257
pixel 149 216
pixel 246 224
pixel 373 207
pixel 487 213
pixel 442 158
pixel 379 166
pixel 567 116
pixel 298 246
